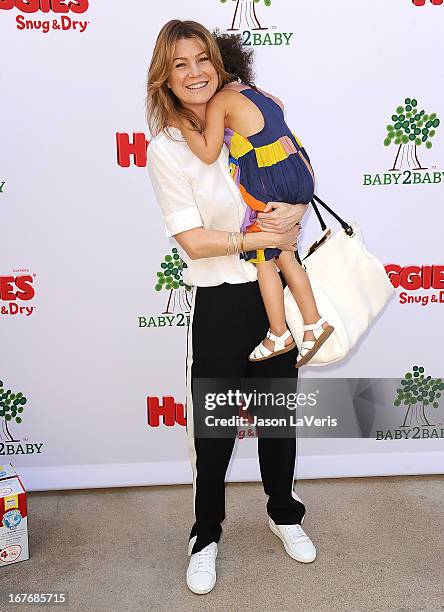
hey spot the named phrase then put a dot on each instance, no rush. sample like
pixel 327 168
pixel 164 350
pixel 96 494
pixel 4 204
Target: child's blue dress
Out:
pixel 270 166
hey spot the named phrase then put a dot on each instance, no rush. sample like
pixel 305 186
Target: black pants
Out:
pixel 226 323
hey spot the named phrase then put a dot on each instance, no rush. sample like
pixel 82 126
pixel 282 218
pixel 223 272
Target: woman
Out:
pixel 203 210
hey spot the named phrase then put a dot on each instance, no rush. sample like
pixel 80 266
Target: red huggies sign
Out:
pixel 30 12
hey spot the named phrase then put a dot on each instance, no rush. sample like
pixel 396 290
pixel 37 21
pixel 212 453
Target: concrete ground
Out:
pixel 380 544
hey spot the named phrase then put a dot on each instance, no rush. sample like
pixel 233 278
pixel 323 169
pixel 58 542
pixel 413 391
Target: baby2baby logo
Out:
pixel 59 7
pixel 417 397
pixel 16 291
pixel 245 21
pixel 410 131
pixel 175 292
pixel 12 406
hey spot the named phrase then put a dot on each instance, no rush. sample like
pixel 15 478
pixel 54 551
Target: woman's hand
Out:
pixel 287 241
pixel 282 217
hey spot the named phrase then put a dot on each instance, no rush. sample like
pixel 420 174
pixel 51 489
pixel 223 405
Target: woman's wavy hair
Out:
pixel 161 102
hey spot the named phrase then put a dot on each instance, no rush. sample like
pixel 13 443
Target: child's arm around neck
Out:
pixel 207 146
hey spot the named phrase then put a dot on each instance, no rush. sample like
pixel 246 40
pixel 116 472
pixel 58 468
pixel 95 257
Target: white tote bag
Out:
pixel 350 286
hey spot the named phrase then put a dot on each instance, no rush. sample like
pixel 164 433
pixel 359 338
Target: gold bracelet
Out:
pixel 236 244
pixel 230 241
pixel 233 242
pixel 242 247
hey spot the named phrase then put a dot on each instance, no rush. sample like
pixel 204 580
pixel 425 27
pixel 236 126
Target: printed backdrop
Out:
pixel 93 309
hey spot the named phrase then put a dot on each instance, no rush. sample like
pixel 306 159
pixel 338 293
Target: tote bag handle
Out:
pixel 345 226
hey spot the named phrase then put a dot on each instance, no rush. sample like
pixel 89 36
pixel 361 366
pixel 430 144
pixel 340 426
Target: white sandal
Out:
pixel 261 352
pixel 309 348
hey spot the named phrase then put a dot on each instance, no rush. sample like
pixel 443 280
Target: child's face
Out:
pixel 193 77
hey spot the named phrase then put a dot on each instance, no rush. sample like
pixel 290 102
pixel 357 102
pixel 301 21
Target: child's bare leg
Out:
pixel 272 293
pixel 300 287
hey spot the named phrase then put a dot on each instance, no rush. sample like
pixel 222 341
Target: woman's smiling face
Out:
pixel 193 78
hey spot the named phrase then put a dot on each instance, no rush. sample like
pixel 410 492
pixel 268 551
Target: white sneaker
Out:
pixel 296 542
pixel 201 572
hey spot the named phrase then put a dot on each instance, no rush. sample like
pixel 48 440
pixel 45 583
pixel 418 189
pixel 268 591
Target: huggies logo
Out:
pixel 15 291
pixel 170 412
pixel 135 149
pixel 48 6
pixel 414 278
pixel 56 6
pixel 422 2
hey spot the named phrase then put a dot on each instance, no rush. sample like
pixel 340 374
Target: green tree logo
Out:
pixel 410 129
pixel 11 404
pixel 170 279
pixel 245 15
pixel 416 392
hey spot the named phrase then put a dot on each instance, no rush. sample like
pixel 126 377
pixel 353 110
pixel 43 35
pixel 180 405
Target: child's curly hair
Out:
pixel 238 60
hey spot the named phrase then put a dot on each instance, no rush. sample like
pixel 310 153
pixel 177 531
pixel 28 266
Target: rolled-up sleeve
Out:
pixel 172 190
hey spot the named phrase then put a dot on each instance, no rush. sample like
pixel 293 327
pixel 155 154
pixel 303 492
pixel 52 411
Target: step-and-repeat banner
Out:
pixel 93 308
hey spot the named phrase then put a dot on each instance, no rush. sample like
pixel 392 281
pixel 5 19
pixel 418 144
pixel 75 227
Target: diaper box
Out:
pixel 13 517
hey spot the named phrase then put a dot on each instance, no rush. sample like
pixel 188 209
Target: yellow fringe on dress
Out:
pixel 260 256
pixel 239 145
pixel 268 155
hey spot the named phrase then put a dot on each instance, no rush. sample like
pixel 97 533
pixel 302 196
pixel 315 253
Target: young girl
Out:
pixel 268 163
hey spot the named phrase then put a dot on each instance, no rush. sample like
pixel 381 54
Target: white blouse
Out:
pixel 193 194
